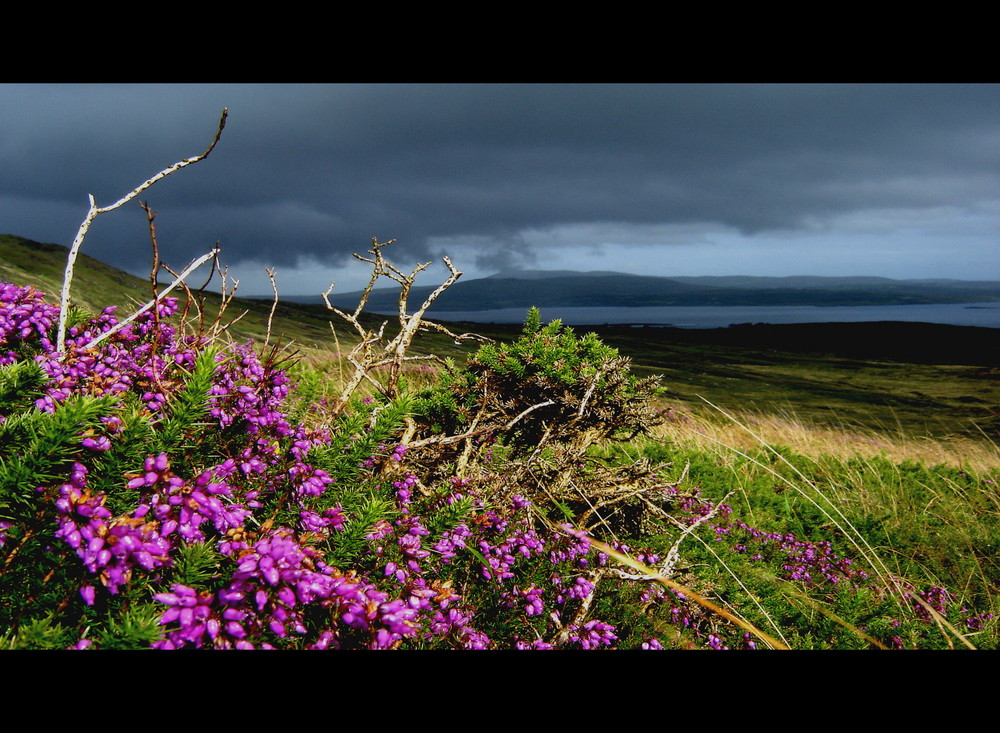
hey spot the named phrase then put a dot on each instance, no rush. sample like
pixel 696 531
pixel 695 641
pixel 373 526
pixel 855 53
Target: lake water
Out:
pixel 955 314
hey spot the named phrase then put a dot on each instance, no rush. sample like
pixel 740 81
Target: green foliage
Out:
pixel 309 391
pixel 366 514
pixel 20 385
pixel 448 516
pixel 357 433
pixel 196 565
pixel 447 407
pixel 136 628
pixel 532 322
pixel 40 635
pixel 187 406
pixel 548 385
pixel 932 525
pixel 38 446
pixel 136 435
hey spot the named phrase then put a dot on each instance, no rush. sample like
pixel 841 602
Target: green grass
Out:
pixel 937 397
pixel 927 525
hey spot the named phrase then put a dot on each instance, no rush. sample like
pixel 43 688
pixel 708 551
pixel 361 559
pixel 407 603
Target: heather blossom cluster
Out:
pixel 175 482
pixel 109 547
pixel 139 358
pixel 24 316
pixel 222 483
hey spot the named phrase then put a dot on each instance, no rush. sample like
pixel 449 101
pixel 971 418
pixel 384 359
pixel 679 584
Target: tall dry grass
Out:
pixel 712 430
pixel 919 510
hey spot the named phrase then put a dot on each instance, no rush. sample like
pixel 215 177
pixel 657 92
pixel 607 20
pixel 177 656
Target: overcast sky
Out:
pixel 901 181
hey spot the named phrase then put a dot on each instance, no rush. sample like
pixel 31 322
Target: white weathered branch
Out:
pixel 673 555
pixel 180 278
pixel 270 317
pixel 92 214
pixel 393 353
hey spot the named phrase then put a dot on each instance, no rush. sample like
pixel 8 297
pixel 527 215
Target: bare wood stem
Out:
pixel 372 352
pixel 187 271
pixel 92 213
pixel 274 305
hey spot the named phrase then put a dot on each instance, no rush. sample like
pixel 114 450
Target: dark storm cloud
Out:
pixel 319 170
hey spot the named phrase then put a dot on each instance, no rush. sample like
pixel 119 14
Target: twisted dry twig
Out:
pixel 92 214
pixel 391 354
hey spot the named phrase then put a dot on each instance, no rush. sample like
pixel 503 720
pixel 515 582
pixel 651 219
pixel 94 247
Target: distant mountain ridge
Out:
pixel 26 262
pixel 754 282
pixel 567 288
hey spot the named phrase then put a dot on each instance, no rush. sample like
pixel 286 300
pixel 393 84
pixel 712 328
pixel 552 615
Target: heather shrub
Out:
pixel 550 385
pixel 154 492
pixel 528 412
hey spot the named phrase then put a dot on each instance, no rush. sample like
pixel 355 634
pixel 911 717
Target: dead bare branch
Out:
pixel 372 352
pixel 274 305
pixel 92 214
pixel 180 278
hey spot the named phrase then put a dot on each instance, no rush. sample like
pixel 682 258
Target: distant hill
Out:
pixel 563 288
pixel 25 262
pixel 98 285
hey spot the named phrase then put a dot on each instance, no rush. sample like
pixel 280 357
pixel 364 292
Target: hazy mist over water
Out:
pixel 955 314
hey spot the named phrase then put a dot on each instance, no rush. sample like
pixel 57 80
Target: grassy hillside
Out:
pixel 25 262
pixel 911 379
pixel 97 285
pixel 916 379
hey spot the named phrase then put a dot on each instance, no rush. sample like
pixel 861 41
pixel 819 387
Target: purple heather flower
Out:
pixel 592 634
pixel 99 444
pixel 87 593
pixel 714 642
